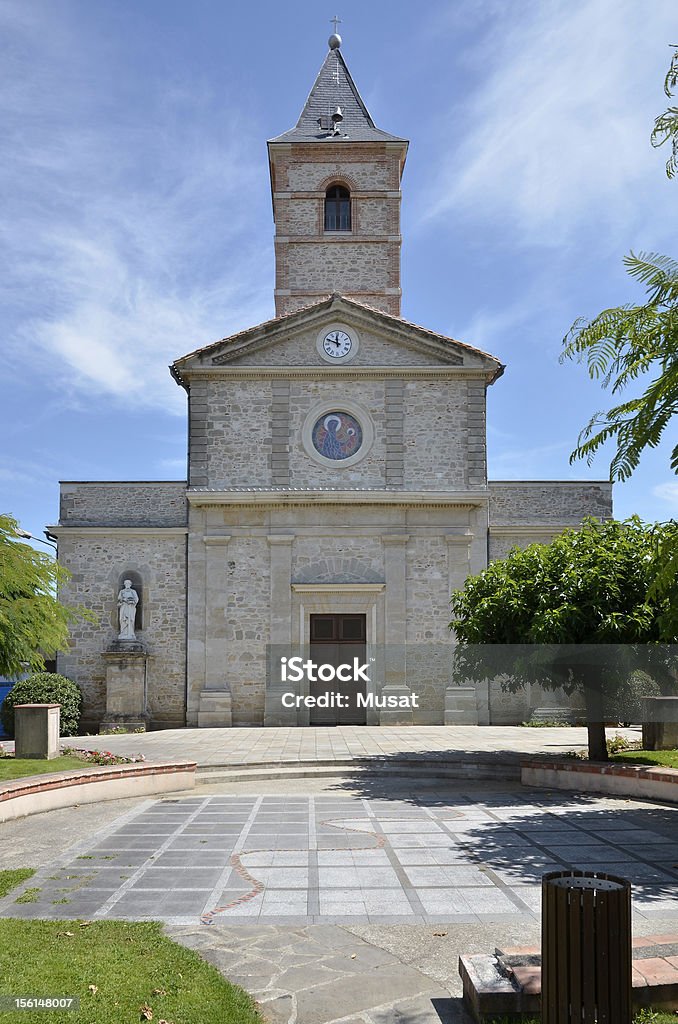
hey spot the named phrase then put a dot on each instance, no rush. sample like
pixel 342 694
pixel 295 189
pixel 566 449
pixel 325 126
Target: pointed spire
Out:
pixel 334 90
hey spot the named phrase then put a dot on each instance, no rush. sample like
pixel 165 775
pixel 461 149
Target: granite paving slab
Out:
pixel 220 859
pixel 255 746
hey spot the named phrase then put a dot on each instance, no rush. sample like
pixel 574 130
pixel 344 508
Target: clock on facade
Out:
pixel 337 343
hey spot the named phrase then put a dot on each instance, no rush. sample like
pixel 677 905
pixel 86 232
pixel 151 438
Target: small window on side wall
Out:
pixel 337 209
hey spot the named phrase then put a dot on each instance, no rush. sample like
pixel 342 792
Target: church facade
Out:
pixel 337 487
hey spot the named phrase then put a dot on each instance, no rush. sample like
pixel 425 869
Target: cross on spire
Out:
pixel 336 20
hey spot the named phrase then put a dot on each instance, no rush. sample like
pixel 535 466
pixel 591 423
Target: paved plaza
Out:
pixel 464 854
pixel 256 747
pixel 346 900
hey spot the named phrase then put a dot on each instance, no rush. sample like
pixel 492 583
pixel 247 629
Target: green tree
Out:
pixel 619 346
pixel 665 585
pixel 33 623
pixel 588 587
pixel 666 124
pixel 624 343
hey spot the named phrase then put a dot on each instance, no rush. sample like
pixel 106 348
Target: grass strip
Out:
pixel 11 877
pixel 19 768
pixel 121 971
pixel 655 758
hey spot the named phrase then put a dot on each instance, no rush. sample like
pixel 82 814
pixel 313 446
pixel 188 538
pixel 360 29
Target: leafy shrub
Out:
pixel 545 723
pixel 45 688
pixel 617 743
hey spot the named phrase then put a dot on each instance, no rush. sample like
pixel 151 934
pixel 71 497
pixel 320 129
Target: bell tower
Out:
pixel 335 182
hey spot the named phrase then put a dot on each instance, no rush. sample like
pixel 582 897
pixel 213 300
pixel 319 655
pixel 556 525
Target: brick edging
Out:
pixel 651 774
pixel 76 777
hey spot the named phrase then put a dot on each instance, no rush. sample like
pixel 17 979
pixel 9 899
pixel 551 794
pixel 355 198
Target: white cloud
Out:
pixel 559 128
pixel 22 472
pixel 668 492
pixel 127 236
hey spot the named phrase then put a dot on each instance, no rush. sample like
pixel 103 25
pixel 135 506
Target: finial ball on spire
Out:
pixel 334 42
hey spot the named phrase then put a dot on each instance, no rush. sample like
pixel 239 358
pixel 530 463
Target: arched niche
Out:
pixel 138 585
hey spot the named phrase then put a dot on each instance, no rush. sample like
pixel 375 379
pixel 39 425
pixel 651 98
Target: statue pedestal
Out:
pixel 125 685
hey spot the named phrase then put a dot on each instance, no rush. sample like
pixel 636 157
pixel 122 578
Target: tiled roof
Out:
pixel 334 88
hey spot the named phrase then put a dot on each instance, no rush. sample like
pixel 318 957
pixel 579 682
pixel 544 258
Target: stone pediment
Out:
pixel 291 341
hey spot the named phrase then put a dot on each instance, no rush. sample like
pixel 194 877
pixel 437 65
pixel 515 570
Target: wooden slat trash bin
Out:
pixel 586 948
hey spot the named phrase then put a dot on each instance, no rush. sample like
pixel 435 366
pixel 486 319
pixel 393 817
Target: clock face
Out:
pixel 337 344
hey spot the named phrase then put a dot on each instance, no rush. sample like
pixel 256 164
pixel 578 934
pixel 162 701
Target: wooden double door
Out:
pixel 338 640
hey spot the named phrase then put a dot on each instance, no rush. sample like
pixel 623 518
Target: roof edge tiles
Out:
pixel 328 303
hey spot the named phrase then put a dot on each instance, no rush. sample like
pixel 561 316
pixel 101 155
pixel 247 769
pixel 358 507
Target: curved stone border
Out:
pixel 616 779
pixel 36 793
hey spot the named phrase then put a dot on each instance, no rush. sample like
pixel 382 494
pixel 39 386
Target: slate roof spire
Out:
pixel 335 89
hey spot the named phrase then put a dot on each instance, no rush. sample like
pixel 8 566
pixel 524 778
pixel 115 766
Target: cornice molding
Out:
pixel 165 531
pixel 526 529
pixel 333 588
pixel 284 499
pixel 347 371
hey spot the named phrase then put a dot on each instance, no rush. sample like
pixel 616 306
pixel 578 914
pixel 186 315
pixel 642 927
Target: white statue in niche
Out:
pixel 128 599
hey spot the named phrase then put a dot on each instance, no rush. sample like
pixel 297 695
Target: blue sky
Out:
pixel 137 223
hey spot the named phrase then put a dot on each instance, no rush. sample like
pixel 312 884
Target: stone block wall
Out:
pixel 97 561
pixel 428 594
pixel 435 435
pixel 338 265
pixel 246 596
pixel 427 435
pixel 311 262
pixel 337 559
pixel 123 503
pixel 230 441
pixel 527 512
pixel 520 502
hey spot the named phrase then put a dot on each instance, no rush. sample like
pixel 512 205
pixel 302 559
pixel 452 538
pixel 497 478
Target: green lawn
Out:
pixel 668 758
pixel 10 878
pixel 13 768
pixel 121 972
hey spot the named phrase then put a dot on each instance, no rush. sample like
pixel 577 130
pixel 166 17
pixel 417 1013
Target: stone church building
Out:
pixel 337 489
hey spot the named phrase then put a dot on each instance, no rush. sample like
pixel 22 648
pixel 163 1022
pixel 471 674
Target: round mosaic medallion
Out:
pixel 337 435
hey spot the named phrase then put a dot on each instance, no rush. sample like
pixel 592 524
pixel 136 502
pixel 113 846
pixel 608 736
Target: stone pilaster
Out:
pixel 394 426
pixel 395 627
pixel 280 433
pixel 460 701
pixel 281 628
pixel 197 435
pixel 215 698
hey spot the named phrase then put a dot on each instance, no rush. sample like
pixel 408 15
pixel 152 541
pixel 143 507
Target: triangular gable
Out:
pixel 397 331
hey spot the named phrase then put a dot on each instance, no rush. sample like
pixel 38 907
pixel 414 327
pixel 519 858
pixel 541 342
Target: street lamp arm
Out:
pixel 25 535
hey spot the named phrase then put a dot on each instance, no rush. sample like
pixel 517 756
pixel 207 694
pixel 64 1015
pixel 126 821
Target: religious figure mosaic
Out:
pixel 337 435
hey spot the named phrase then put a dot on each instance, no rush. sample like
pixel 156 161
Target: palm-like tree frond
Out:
pixel 619 346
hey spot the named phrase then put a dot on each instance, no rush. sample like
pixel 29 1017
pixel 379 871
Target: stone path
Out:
pixel 253 746
pixel 321 974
